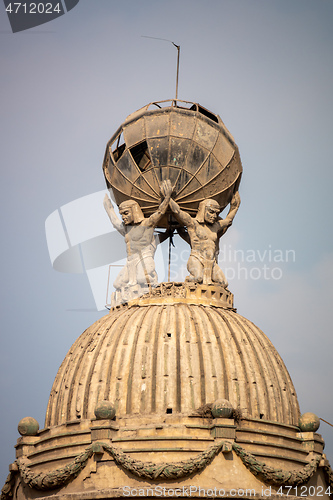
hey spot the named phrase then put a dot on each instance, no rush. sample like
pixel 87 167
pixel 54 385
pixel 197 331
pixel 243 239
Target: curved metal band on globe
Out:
pixel 172 140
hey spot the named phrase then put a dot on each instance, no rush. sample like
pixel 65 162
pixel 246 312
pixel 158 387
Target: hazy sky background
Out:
pixel 265 66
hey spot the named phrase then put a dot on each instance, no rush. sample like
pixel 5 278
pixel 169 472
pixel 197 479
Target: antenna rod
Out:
pixel 169 260
pixel 178 55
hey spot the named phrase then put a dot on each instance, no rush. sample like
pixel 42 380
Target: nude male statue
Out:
pixel 139 238
pixel 204 232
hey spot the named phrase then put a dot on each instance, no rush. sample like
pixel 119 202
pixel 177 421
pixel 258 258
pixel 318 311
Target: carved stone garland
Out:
pixel 173 470
pixel 276 477
pixel 149 470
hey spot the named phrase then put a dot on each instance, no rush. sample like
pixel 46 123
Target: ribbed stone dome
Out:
pixel 172 357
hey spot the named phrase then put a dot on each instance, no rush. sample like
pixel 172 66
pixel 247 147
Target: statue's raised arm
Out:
pixel 180 215
pixel 226 223
pixel 117 224
pixel 166 191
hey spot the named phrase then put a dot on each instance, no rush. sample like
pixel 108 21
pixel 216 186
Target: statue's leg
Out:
pixel 208 271
pixel 195 268
pixel 150 269
pixel 146 270
pixel 218 276
pixel 122 278
pixel 132 268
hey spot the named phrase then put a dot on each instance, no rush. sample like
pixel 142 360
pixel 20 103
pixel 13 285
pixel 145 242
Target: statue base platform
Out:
pixel 164 293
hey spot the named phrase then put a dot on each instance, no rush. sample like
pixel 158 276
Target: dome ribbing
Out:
pixel 154 358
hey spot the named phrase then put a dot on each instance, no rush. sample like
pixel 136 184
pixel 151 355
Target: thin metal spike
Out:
pixel 178 55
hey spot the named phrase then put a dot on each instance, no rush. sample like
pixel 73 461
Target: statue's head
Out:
pixel 131 212
pixel 208 211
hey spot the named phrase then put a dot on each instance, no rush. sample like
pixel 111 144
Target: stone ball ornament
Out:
pixel 28 426
pixel 105 410
pixel 309 422
pixel 222 408
pixel 177 140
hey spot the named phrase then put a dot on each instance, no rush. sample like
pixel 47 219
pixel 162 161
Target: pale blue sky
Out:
pixel 265 66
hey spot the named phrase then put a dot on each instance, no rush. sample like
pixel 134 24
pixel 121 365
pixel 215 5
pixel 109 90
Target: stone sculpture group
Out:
pixel 202 233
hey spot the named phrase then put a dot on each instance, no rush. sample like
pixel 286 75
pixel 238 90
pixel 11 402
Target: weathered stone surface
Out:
pixel 28 426
pixel 172 358
pixel 105 410
pixel 222 408
pixel 309 422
